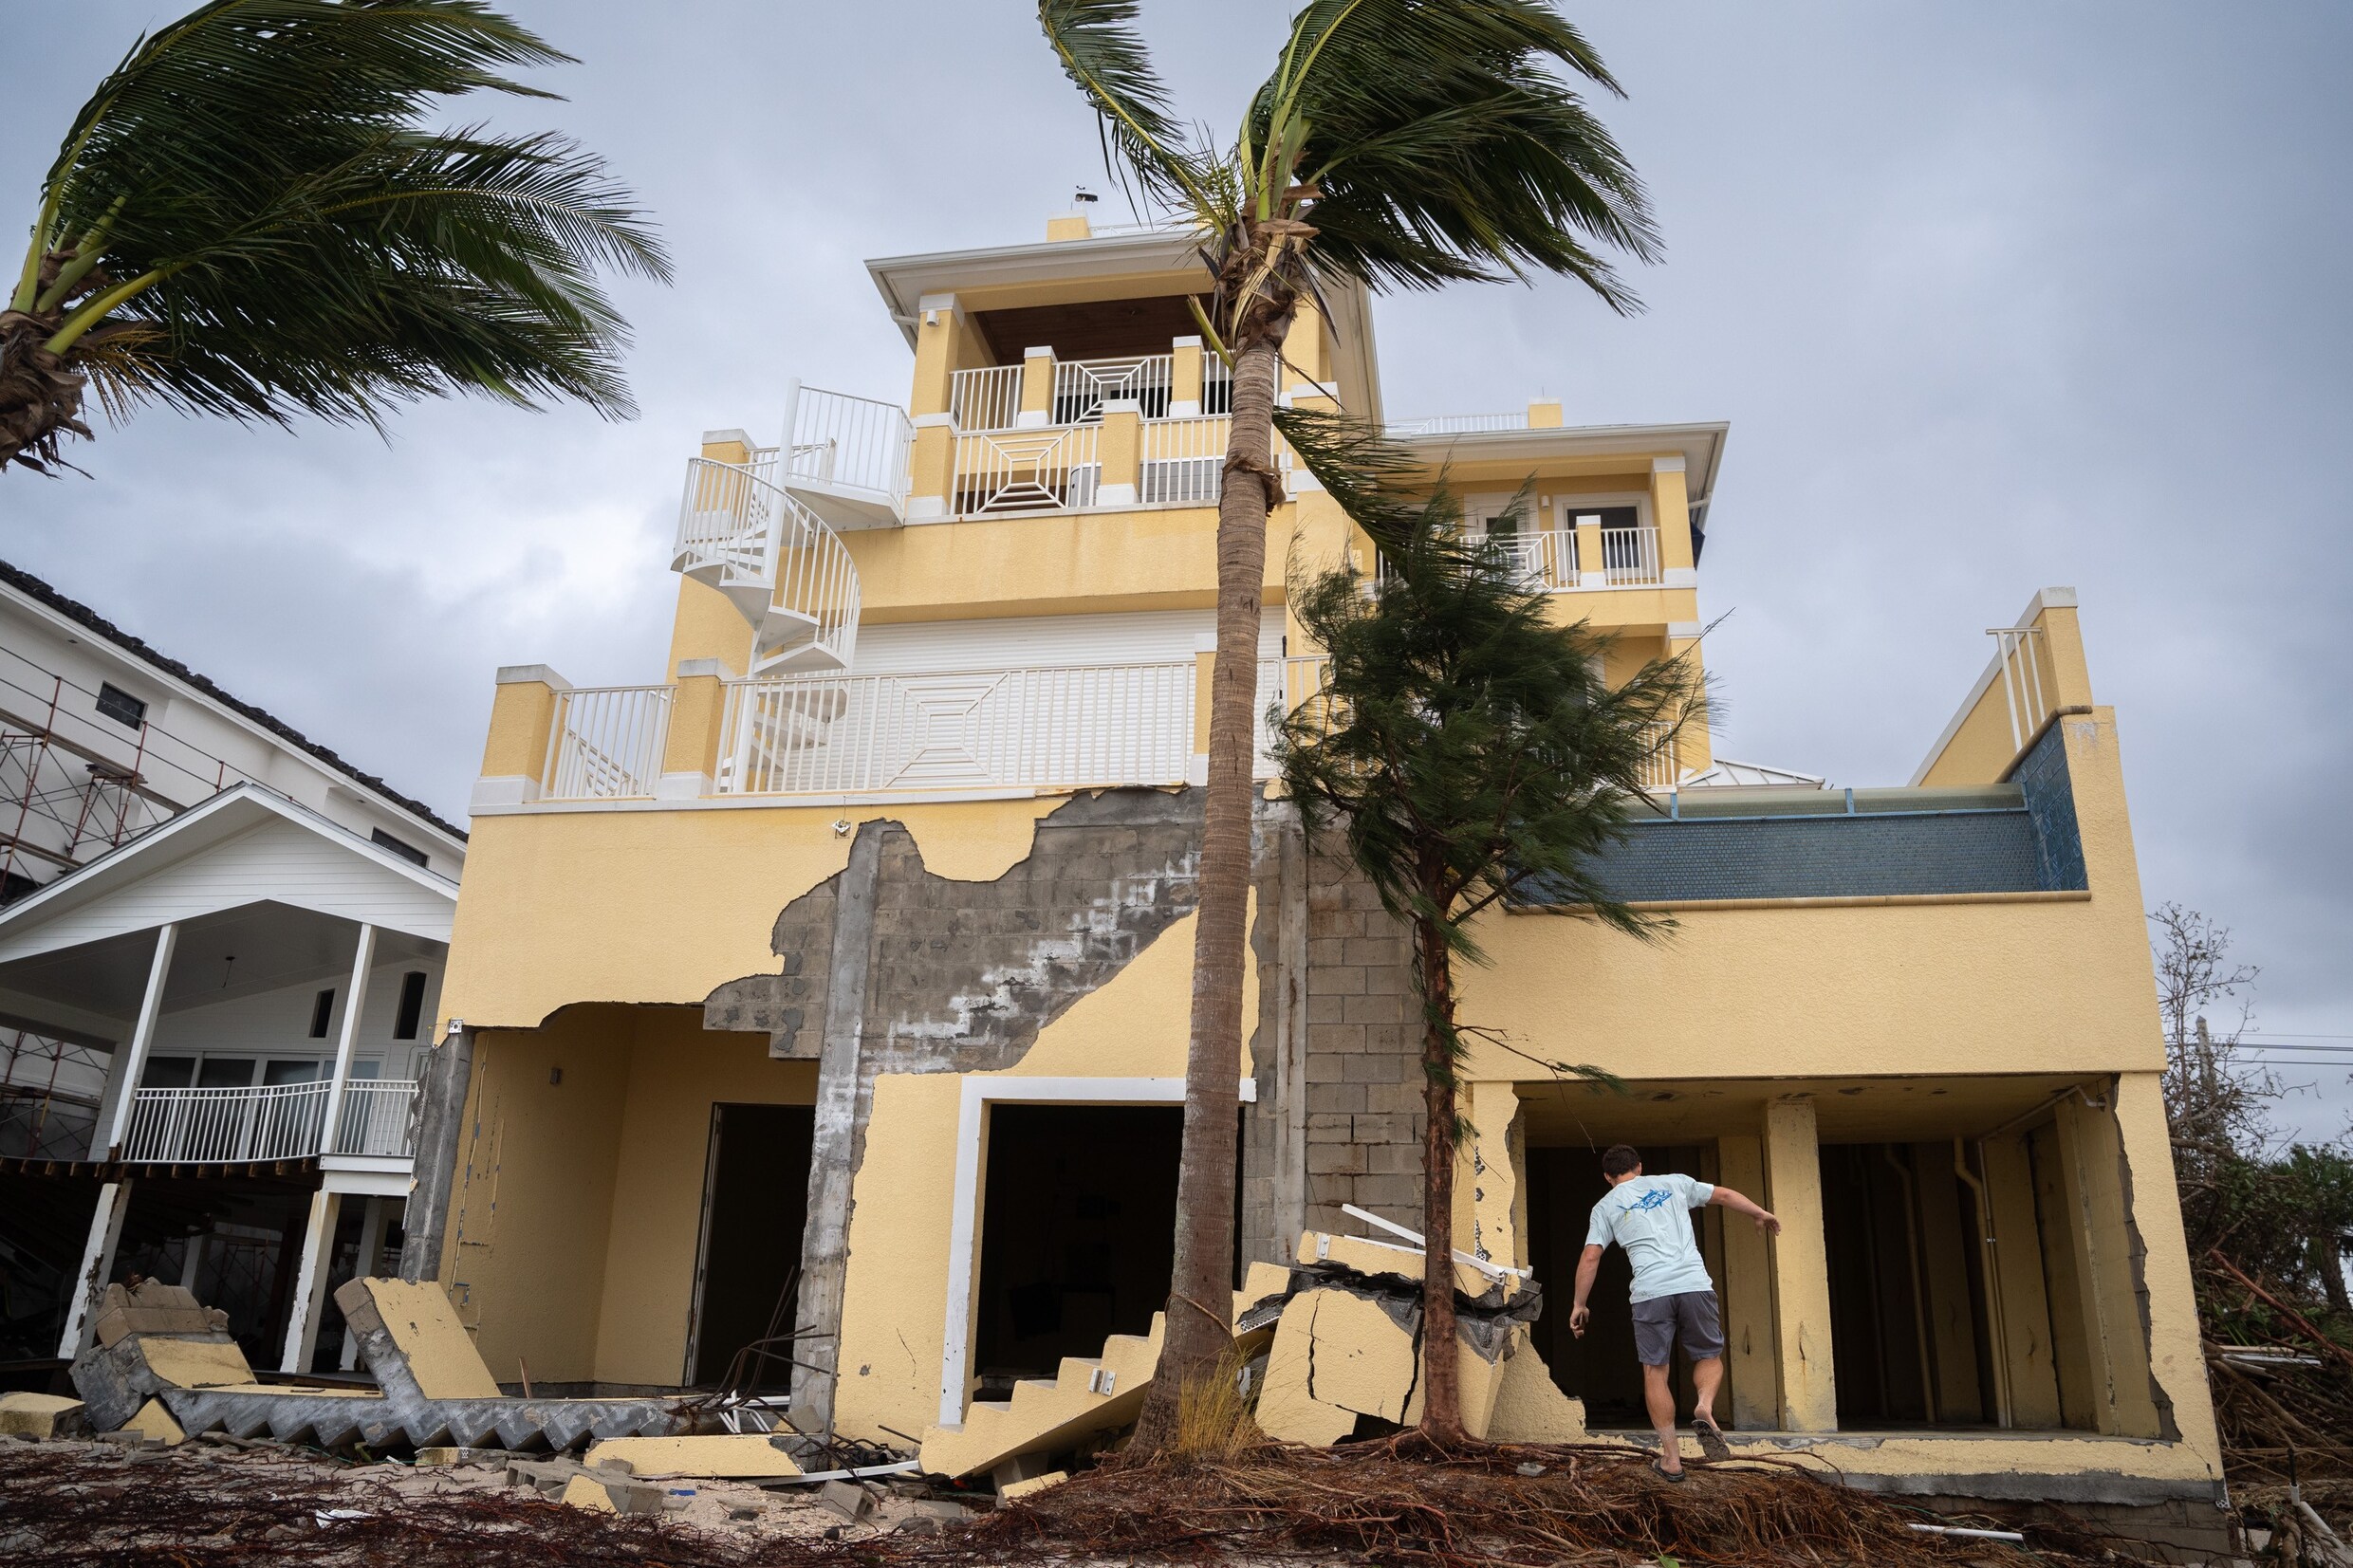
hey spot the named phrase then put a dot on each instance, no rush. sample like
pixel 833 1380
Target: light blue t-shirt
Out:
pixel 1650 1217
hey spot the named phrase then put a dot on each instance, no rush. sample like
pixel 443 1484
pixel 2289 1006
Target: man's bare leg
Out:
pixel 1659 1395
pixel 1707 1376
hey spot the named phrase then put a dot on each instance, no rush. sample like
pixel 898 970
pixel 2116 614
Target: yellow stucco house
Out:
pixel 854 952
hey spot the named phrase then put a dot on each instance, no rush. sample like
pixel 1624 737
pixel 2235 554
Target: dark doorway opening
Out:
pixel 1078 1234
pixel 755 1204
pixel 1601 1368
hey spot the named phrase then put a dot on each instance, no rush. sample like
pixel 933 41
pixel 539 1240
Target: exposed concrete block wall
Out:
pixel 1364 1076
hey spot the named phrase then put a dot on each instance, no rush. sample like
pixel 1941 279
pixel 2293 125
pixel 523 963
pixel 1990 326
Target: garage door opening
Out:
pixel 1078 1234
pixel 1601 1368
pixel 756 1201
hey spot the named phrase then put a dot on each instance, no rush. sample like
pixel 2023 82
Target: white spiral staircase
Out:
pixel 767 532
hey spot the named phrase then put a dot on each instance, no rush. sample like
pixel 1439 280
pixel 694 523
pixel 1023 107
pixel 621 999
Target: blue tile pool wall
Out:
pixel 2042 774
pixel 1840 856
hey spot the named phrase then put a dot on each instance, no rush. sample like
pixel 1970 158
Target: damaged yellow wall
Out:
pixel 894 1292
pixel 677 1072
pixel 532 1206
pixel 563 907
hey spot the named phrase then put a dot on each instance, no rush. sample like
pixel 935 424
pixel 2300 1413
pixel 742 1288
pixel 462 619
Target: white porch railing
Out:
pixel 225 1126
pixel 1082 386
pixel 606 743
pixel 1661 773
pixel 1183 460
pixel 376 1118
pixel 1630 557
pixel 1457 424
pixel 859 443
pixel 727 518
pixel 985 398
pixel 275 1122
pixel 1124 723
pixel 1002 472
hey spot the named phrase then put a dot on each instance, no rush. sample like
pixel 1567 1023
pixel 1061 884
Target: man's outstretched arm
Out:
pixel 1588 1266
pixel 1738 1205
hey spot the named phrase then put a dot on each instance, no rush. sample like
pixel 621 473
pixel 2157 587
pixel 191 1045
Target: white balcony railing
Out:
pixel 1082 387
pixel 376 1118
pixel 844 444
pixel 1548 559
pixel 740 531
pixel 989 398
pixel 1100 725
pixel 1457 424
pixel 1004 473
pixel 606 743
pixel 1661 773
pixel 1182 460
pixel 1630 557
pixel 280 1121
pixel 985 398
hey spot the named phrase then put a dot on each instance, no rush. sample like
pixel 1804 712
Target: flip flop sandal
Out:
pixel 1678 1477
pixel 1711 1438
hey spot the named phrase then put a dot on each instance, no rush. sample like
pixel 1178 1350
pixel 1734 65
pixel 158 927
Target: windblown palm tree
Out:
pixel 1400 143
pixel 246 218
pixel 1465 749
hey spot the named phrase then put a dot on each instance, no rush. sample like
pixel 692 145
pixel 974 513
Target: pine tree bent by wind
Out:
pixel 1466 750
pixel 248 218
pixel 1398 143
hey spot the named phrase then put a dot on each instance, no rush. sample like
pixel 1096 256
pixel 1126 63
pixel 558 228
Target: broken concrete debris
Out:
pixel 432 1389
pixel 42 1415
pixel 722 1456
pixel 1334 1347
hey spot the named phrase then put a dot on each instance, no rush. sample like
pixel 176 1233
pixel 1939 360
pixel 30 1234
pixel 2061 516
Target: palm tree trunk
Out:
pixel 1201 1303
pixel 1442 1403
pixel 40 398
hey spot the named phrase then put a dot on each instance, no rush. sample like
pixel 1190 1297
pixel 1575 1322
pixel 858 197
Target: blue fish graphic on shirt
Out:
pixel 1656 1198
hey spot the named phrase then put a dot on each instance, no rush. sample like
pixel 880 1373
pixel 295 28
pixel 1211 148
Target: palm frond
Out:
pixel 1445 143
pixel 282 236
pixel 1103 55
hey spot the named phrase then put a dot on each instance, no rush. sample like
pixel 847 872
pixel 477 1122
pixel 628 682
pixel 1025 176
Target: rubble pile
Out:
pixel 1401 1502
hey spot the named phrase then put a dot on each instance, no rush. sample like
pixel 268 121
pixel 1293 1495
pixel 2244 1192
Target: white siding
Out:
pixel 279 860
pixel 1141 638
pixel 276 1025
pixel 196 744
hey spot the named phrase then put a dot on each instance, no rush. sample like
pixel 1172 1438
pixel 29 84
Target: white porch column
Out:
pixel 143 1039
pixel 97 1262
pixel 301 1324
pixel 374 1220
pixel 362 957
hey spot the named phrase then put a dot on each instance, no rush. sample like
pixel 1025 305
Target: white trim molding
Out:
pixel 980 1091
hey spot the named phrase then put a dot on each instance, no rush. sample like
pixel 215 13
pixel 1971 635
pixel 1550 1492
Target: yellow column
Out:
pixel 1952 1334
pixel 2024 1300
pixel 939 325
pixel 1120 454
pixel 1307 349
pixel 698 712
pixel 1204 661
pixel 2176 1362
pixel 1588 537
pixel 1801 1268
pixel 2092 1169
pixel 1184 378
pixel 1670 512
pixel 523 715
pixel 1487 1176
pixel 1037 388
pixel 1750 1363
pixel 931 470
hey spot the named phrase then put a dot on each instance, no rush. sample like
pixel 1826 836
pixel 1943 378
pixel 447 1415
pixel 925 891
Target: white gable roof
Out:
pixel 245 845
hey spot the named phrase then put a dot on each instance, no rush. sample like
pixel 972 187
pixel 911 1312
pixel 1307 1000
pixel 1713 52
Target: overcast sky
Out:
pixel 1994 296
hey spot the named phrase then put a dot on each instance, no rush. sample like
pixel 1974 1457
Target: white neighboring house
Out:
pixel 220 952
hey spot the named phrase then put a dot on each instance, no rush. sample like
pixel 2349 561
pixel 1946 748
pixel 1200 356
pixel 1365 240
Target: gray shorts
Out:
pixel 1689 1316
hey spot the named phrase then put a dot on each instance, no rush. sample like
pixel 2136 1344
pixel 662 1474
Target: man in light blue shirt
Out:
pixel 1673 1297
